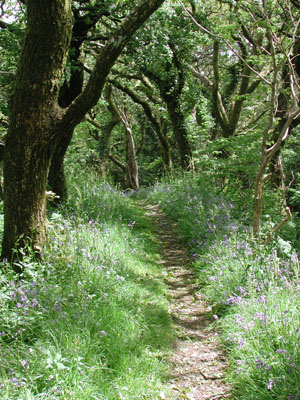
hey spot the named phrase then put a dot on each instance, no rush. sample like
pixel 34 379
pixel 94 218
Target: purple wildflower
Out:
pixel 270 384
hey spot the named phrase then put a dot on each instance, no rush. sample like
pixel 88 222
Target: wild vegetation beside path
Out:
pixel 93 319
pixel 253 288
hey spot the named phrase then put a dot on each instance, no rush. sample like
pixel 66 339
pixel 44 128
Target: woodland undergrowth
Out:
pixel 91 320
pixel 254 289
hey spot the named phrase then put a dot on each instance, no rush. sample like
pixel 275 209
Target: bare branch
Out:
pixel 204 79
pixel 116 161
pixel 2 4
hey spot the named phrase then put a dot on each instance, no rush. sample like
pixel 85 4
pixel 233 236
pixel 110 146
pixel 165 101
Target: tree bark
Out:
pixel 180 132
pixel 56 176
pixel 37 123
pixel 34 112
pixel 70 89
pixel 132 170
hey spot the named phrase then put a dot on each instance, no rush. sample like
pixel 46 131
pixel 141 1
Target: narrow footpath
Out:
pixel 198 362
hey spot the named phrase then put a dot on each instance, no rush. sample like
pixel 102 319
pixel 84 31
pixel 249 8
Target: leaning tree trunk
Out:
pixel 112 49
pixel 266 156
pixel 159 126
pixel 132 169
pixel 29 142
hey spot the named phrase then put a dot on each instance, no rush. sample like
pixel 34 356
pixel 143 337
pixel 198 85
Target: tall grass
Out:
pixel 254 290
pixel 90 321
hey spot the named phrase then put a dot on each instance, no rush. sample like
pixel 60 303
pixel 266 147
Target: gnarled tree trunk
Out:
pixel 38 123
pixel 70 89
pixel 171 89
pixel 31 136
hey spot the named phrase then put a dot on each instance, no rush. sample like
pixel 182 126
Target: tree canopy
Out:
pixel 210 87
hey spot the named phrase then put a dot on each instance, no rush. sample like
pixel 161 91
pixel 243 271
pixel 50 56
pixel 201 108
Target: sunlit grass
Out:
pixel 91 321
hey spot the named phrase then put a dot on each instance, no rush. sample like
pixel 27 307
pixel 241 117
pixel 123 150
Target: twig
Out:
pixel 210 378
pixel 219 396
pixel 276 229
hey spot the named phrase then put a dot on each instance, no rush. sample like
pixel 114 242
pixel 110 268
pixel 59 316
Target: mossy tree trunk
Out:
pixel 31 136
pixel 71 88
pixel 56 177
pixel 38 123
pixel 181 135
pixel 171 87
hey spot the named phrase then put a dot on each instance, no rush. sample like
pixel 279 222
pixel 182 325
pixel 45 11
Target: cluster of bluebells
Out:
pixel 14 368
pixel 264 332
pixel 202 215
pixel 29 305
pixel 75 309
pixel 256 291
pixel 21 308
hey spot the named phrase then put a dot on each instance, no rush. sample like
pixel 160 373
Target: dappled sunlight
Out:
pixel 91 311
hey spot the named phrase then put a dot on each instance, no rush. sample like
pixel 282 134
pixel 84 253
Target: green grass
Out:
pixel 91 320
pixel 263 337
pixel 253 289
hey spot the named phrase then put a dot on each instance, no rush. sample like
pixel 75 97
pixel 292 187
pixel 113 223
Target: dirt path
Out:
pixel 198 363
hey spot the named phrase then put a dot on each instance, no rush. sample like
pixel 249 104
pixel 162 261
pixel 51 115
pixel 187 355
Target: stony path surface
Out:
pixel 198 362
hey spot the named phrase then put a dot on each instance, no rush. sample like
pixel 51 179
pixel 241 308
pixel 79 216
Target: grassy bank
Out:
pixel 254 289
pixel 90 321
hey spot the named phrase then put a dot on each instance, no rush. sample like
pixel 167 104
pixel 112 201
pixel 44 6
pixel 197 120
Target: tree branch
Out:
pixel 207 82
pixel 117 162
pixel 106 59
